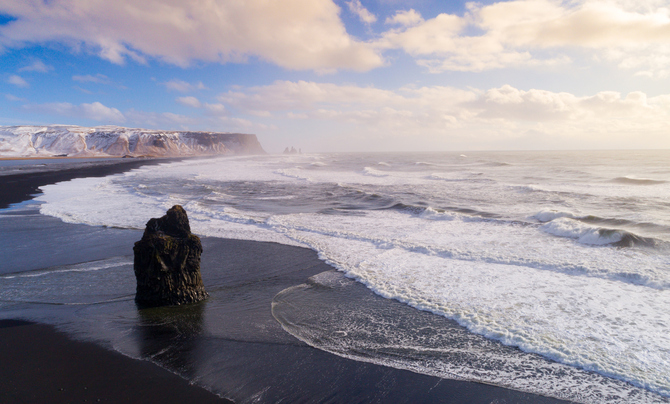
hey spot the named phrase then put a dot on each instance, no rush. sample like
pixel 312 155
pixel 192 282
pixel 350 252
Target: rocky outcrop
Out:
pixel 106 141
pixel 167 262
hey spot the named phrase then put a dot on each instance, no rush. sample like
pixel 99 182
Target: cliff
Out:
pixel 115 141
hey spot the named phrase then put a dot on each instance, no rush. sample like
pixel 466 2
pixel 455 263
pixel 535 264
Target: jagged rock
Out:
pixel 167 262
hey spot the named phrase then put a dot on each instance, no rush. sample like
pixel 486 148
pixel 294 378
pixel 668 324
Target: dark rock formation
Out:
pixel 167 262
pixel 292 150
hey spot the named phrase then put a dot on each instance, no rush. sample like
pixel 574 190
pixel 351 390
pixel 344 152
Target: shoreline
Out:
pixel 292 369
pixel 21 187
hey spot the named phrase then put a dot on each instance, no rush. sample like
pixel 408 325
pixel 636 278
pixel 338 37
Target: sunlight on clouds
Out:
pixel 296 34
pixel 513 30
pixel 309 34
pixel 497 116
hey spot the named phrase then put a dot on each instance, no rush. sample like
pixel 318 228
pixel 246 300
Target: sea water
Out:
pixel 555 264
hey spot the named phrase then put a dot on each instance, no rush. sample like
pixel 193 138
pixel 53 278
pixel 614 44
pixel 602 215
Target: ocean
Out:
pixel 542 272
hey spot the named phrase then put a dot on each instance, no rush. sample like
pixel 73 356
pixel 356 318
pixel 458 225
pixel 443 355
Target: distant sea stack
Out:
pixel 115 141
pixel 167 262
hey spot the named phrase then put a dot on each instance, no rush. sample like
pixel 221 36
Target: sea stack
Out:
pixel 167 262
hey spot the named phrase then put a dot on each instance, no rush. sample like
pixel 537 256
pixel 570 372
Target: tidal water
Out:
pixel 543 272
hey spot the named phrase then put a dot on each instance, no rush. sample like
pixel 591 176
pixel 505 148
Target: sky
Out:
pixel 347 75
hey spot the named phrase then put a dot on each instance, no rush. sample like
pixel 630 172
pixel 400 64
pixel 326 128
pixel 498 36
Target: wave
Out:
pixel 497 164
pixel 629 180
pixel 545 216
pixel 594 235
pixel 473 177
pixel 334 313
pixel 291 174
pixel 418 209
pixel 440 177
pixel 374 173
pixel 83 267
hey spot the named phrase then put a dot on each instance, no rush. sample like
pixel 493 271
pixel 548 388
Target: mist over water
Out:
pixel 565 255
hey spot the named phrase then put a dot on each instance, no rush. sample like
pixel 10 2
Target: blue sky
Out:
pixel 349 75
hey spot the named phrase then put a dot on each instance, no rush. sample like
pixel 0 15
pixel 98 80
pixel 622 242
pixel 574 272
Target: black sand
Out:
pixel 40 365
pixel 256 362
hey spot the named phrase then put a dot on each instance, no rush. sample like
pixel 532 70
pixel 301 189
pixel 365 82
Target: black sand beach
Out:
pixel 256 361
pixel 41 365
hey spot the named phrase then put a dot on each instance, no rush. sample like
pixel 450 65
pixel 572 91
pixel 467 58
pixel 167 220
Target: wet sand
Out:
pixel 40 365
pixel 253 361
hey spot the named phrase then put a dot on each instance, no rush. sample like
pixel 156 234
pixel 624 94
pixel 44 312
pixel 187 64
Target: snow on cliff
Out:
pixel 77 141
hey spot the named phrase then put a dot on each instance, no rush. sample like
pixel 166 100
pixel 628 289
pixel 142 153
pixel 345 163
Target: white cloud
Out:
pixel 216 109
pixel 511 33
pixel 95 111
pixel 17 81
pixel 98 79
pixel 210 109
pixel 189 102
pixel 405 18
pixel 423 118
pixel 361 12
pixel 37 66
pixel 182 86
pixel 295 34
pixel 159 120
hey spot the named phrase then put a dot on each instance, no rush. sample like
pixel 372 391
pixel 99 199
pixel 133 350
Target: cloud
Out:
pixel 182 86
pixel 189 102
pixel 98 79
pixel 94 111
pixel 11 97
pixel 37 66
pixel 294 34
pixel 514 33
pixel 216 109
pixel 410 118
pixel 406 18
pixel 361 12
pixel 17 81
pixel 159 120
pixel 210 109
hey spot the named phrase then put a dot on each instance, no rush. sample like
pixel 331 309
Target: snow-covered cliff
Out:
pixel 77 141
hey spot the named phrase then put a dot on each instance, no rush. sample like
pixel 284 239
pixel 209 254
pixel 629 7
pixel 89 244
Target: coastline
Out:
pixel 20 187
pixel 287 367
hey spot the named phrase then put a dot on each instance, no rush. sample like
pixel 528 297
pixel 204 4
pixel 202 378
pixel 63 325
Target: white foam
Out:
pixel 550 214
pixel 432 214
pixel 374 173
pixel 583 233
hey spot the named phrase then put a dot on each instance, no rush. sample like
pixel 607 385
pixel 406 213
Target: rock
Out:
pixel 167 262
